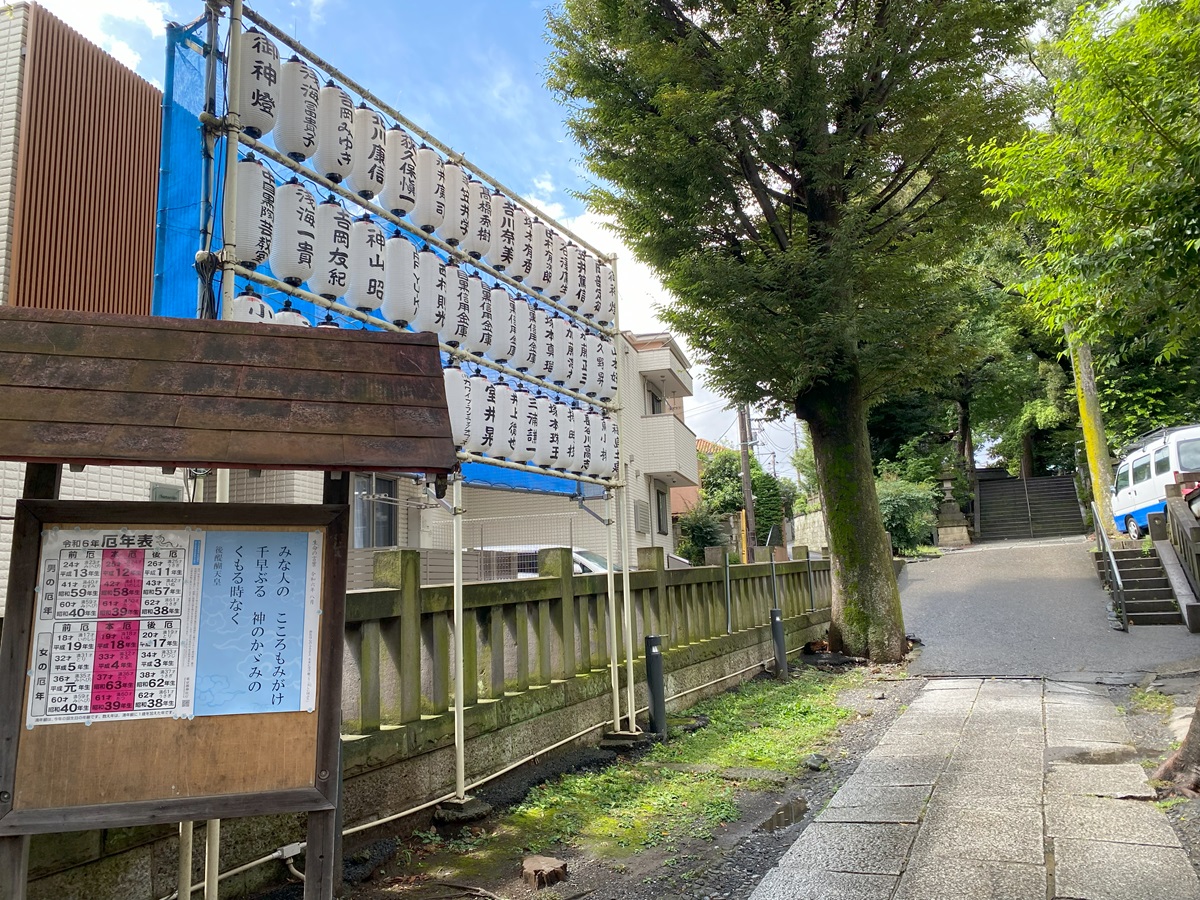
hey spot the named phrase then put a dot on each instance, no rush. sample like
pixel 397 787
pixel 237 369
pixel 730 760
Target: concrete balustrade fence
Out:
pixel 536 654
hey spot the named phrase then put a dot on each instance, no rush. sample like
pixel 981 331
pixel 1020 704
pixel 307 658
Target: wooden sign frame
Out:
pixel 320 794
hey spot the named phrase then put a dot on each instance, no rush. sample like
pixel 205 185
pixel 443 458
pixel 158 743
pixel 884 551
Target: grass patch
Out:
pixel 1170 803
pixel 1151 701
pixel 627 807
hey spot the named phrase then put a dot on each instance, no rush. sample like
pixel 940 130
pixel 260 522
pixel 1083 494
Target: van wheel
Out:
pixel 1132 528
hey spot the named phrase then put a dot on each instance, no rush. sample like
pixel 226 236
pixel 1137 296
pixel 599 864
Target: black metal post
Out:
pixel 655 685
pixel 781 663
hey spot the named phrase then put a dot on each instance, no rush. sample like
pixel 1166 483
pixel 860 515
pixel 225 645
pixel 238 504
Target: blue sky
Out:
pixel 472 74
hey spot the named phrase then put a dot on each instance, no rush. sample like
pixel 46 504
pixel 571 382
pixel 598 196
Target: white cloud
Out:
pixel 112 24
pixel 316 9
pixel 124 53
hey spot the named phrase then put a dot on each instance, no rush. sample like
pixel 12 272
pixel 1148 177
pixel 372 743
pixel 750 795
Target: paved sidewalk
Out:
pixel 992 790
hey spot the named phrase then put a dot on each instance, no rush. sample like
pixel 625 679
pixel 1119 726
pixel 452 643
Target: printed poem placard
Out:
pixel 145 623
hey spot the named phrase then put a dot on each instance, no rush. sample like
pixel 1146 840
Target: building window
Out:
pixel 656 403
pixel 376 513
pixel 663 502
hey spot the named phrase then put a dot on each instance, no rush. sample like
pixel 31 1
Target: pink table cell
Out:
pixel 121 584
pixel 114 667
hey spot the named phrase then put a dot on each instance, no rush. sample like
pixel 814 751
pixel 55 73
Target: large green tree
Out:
pixel 796 172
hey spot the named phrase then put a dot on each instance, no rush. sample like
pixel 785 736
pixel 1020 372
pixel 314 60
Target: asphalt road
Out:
pixel 1028 608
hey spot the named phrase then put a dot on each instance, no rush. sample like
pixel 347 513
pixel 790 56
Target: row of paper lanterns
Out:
pixel 354 146
pixel 347 259
pixel 493 419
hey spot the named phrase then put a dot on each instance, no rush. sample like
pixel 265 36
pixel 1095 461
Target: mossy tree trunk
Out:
pixel 866 617
pixel 1182 768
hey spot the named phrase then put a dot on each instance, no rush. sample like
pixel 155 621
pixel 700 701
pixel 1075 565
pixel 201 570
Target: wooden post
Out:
pixel 583 616
pixel 401 569
pixel 517 622
pixel 43 481
pixel 470 666
pixel 542 629
pixel 436 633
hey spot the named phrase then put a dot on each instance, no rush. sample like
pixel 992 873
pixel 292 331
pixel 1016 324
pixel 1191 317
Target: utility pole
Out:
pixel 747 487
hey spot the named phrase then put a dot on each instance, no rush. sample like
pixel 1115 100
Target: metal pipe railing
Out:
pixel 1111 572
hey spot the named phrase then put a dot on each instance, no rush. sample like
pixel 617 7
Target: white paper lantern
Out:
pixel 568 437
pixel 335 133
pixel 429 208
pixel 250 307
pixel 255 212
pixel 608 295
pixel 506 421
pixel 525 447
pixel 501 253
pixel 544 331
pixel 577 291
pixel 481 414
pixel 527 331
pixel 455 381
pixel 457 222
pixel 600 457
pixel 610 370
pixel 399 194
pixel 589 422
pixel 582 366
pixel 522 267
pixel 367 171
pixel 573 348
pixel 478 239
pixel 546 445
pixel 482 327
pixel 432 291
pixel 543 256
pixel 399 280
pixel 459 322
pixel 589 300
pixel 560 332
pixel 294 240
pixel 613 442
pixel 331 268
pixel 258 92
pixel 562 267
pixel 365 284
pixel 328 322
pixel 289 315
pixel 505 344
pixel 296 122
pixel 595 359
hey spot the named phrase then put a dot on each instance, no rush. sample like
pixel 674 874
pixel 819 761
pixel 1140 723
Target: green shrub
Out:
pixel 909 511
pixel 699 527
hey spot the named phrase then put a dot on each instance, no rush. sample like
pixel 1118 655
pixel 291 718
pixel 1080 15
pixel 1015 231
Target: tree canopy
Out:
pixel 797 172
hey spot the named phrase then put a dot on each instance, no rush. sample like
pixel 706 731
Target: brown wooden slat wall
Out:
pixel 95 388
pixel 87 177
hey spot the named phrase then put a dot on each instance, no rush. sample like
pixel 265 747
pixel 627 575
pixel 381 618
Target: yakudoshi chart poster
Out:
pixel 149 623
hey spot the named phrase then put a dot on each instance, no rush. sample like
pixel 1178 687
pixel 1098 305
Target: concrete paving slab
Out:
pixel 901 770
pixel 876 849
pixel 994 834
pixel 1054 689
pixel 860 801
pixel 915 744
pixel 956 879
pixel 790 884
pixel 1104 870
pixel 1091 780
pixel 1013 789
pixel 1108 819
pixel 934 685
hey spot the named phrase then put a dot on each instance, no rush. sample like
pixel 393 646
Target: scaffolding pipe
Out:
pixel 233 127
pixel 627 600
pixel 460 777
pixel 613 665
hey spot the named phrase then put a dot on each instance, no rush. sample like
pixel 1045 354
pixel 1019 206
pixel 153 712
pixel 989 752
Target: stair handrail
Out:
pixel 1112 573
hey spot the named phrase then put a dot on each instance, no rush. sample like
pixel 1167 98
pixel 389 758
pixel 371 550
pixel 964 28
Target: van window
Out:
pixel 1162 461
pixel 1122 478
pixel 1141 470
pixel 1189 455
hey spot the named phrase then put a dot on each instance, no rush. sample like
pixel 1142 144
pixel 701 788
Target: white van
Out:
pixel 1147 468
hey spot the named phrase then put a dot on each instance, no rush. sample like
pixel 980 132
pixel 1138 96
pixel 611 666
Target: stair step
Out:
pixel 1151 581
pixel 1149 606
pixel 1137 595
pixel 1155 619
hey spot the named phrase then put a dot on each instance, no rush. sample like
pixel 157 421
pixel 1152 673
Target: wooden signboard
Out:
pixel 178 661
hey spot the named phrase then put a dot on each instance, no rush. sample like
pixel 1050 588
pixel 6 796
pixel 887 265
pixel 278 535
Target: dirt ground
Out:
pixel 727 866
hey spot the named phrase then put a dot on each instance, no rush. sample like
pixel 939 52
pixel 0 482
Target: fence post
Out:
pixel 559 562
pixel 400 665
pixel 654 559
